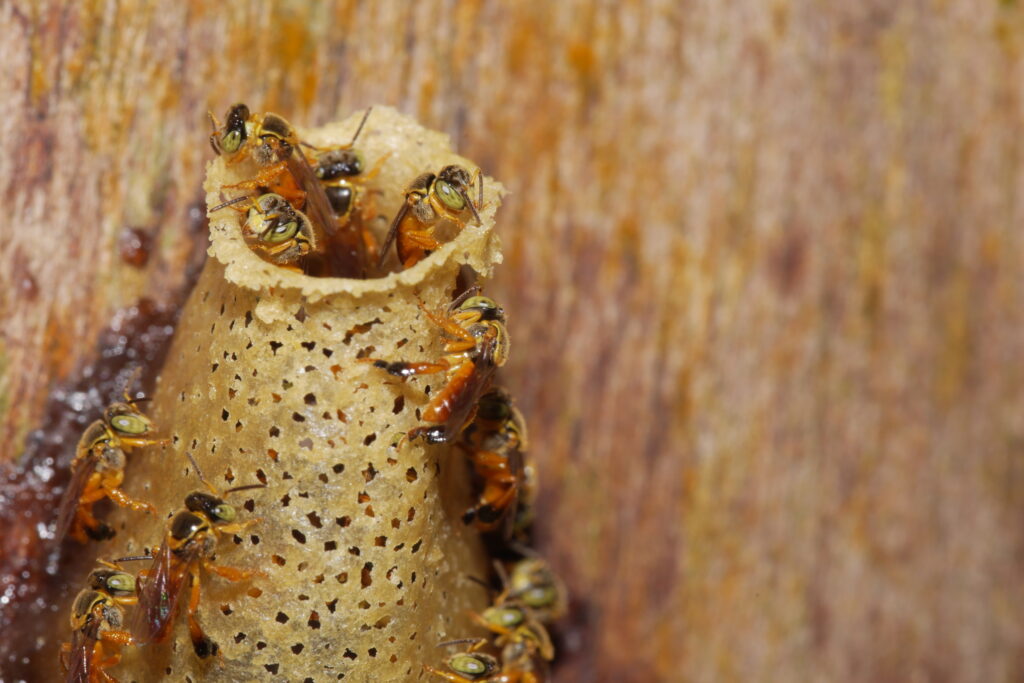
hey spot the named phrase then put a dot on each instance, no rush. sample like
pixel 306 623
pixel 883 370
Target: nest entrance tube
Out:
pixel 368 563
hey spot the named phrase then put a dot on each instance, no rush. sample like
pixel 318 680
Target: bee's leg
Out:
pixel 492 506
pixel 287 187
pixel 452 328
pixel 234 573
pixel 201 643
pixel 492 466
pixel 117 637
pixel 98 664
pixel 101 532
pixel 124 500
pixel 406 369
pixel 136 442
pixel 93 489
pixel 377 166
pixel 421 239
pixel 238 527
pixel 371 245
pixel 86 526
pixel 265 177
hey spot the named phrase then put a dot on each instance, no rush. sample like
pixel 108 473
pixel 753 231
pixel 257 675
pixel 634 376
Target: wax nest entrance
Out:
pixel 368 565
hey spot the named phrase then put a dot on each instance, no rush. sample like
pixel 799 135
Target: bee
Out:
pixel 520 634
pixel 98 470
pixel 281 234
pixel 273 145
pixel 342 170
pixel 97 619
pixel 188 547
pixel 476 346
pixel 495 442
pixel 532 582
pixel 481 667
pixel 429 200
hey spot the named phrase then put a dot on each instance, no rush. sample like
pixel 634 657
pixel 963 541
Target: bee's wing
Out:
pixel 392 233
pixel 81 471
pixel 346 249
pixel 79 659
pixel 159 595
pixel 508 520
pixel 468 395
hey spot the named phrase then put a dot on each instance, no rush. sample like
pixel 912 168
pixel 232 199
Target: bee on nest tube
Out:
pixel 188 547
pixel 495 443
pixel 97 470
pixel 342 171
pixel 476 346
pixel 431 200
pixel 97 620
pixel 479 667
pixel 280 234
pixel 532 582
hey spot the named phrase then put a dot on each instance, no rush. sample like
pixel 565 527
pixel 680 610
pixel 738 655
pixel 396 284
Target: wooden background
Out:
pixel 764 269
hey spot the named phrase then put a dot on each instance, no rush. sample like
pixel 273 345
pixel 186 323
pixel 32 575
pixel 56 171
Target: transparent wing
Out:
pixel 159 595
pixel 82 470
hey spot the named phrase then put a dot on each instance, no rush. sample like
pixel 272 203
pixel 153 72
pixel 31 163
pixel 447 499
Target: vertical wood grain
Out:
pixel 763 272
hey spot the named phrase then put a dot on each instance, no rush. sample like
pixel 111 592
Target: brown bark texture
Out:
pixel 764 276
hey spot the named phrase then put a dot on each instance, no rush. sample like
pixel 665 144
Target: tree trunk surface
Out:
pixel 764 276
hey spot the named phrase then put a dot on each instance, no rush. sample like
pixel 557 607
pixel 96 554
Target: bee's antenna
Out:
pixel 245 488
pixel 361 124
pixel 230 202
pixel 460 641
pixel 199 472
pixel 130 558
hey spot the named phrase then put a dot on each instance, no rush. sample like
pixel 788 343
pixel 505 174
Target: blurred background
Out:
pixel 764 275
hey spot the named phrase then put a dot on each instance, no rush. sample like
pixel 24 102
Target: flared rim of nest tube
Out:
pixel 413 149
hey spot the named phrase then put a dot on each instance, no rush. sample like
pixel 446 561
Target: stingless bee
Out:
pixel 281 234
pixel 520 634
pixel 98 470
pixel 97 619
pixel 476 346
pixel 470 666
pixel 495 442
pixel 273 145
pixel 430 200
pixel 187 548
pixel 342 171
pixel 532 582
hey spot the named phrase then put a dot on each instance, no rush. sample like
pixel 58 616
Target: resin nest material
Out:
pixel 368 564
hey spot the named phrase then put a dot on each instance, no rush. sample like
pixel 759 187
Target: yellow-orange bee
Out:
pixel 98 470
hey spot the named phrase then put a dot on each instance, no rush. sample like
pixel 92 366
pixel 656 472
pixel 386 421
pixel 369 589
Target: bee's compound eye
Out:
pixel 449 197
pixel 504 616
pixel 224 513
pixel 231 141
pixel 121 583
pixel 129 424
pixel 540 596
pixel 281 233
pixel 472 665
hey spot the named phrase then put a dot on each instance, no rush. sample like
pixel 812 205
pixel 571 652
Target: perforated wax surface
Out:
pixel 367 563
